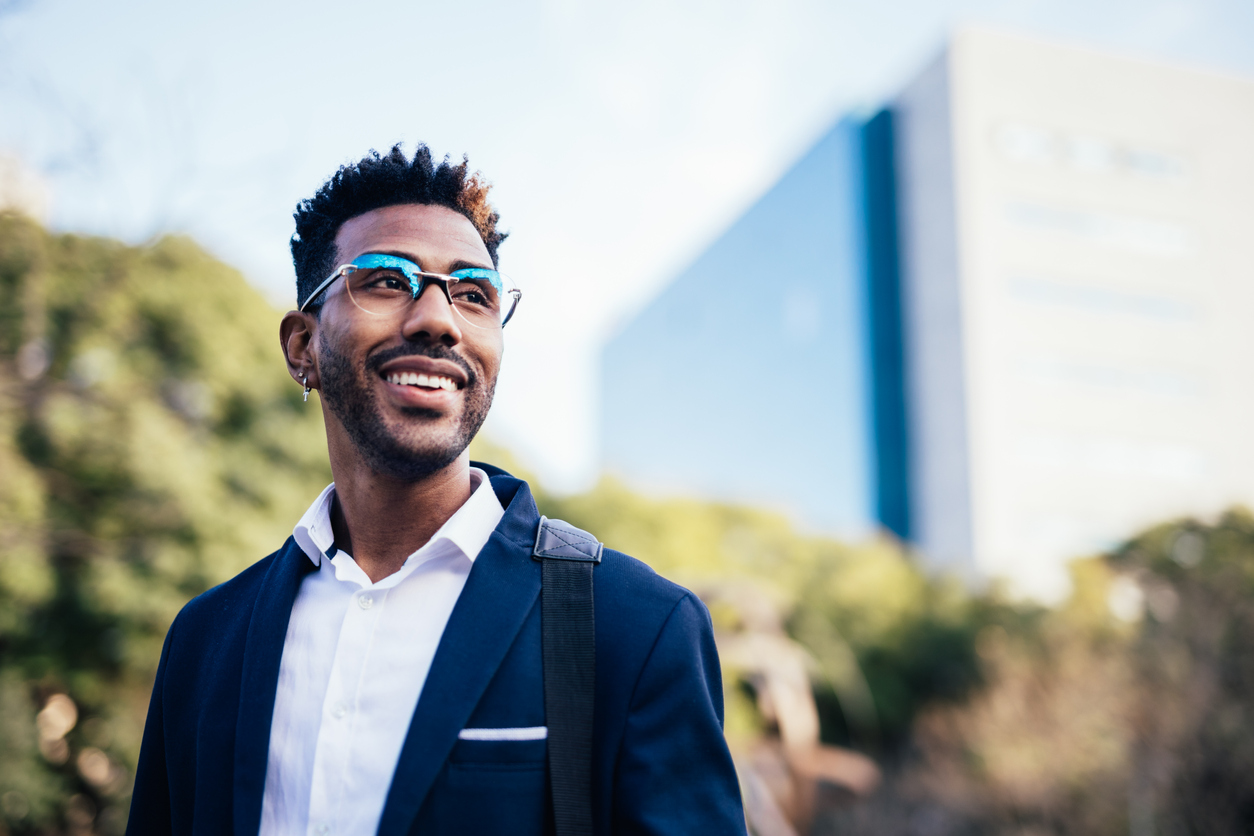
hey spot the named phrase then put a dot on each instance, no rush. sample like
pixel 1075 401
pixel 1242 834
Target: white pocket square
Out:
pixel 528 733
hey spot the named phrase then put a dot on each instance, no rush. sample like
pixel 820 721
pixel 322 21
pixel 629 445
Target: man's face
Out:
pixel 402 429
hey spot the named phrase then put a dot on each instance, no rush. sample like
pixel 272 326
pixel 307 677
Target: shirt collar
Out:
pixel 313 533
pixel 468 529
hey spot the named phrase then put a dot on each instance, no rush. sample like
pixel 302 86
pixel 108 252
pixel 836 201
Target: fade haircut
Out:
pixel 372 183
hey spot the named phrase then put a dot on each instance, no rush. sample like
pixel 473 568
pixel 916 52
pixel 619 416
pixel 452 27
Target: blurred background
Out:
pixel 913 336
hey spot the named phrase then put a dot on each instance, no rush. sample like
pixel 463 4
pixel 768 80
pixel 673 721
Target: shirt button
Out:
pixel 365 601
pixel 338 711
pixel 322 830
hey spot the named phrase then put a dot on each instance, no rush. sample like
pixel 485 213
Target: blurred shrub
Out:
pixel 151 445
pixel 1192 717
pixel 1127 710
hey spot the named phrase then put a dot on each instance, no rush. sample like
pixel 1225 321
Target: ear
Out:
pixel 296 338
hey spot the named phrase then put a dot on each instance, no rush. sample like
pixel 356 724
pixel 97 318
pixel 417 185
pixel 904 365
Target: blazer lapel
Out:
pixel 263 650
pixel 501 590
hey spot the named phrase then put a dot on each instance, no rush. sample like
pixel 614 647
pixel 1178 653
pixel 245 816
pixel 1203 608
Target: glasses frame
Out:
pixel 420 279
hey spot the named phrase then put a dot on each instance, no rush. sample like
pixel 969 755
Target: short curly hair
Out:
pixel 373 183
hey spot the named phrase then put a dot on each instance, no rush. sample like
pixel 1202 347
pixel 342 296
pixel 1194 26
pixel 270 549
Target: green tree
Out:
pixel 151 446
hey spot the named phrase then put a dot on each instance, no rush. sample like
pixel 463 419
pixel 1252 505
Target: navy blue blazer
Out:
pixel 660 764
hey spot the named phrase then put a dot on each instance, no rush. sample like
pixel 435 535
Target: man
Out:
pixel 383 671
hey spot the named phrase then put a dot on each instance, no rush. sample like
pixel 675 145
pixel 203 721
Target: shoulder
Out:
pixel 636 582
pixel 635 603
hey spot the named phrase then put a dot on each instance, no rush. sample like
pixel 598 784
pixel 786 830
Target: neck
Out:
pixel 381 521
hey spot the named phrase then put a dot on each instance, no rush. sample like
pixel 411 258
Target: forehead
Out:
pixel 434 236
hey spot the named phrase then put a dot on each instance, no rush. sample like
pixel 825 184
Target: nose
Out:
pixel 431 317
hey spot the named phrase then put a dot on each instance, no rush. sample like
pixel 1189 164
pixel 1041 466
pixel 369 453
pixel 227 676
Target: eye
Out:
pixel 471 293
pixel 386 281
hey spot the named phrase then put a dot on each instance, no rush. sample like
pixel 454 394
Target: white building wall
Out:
pixel 1103 211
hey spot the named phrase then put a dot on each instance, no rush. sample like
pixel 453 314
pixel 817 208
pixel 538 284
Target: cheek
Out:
pixel 349 337
pixel 489 353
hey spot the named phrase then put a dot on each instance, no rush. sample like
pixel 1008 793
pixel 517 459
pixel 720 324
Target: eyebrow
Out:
pixel 453 268
pixel 469 265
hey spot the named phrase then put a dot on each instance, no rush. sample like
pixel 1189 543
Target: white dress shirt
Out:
pixel 354 662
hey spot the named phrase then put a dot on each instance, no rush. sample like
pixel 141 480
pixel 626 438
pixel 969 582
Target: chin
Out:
pixel 408 465
pixel 412 456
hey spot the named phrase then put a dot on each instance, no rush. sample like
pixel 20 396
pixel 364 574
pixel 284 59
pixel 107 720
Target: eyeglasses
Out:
pixel 384 285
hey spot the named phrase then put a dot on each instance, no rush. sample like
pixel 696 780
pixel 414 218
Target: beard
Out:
pixel 416 450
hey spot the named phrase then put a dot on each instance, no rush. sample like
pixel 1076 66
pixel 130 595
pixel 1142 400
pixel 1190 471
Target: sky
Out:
pixel 621 138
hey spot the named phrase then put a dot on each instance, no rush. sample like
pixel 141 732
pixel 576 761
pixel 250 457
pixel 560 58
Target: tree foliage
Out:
pixel 151 446
pixel 1126 710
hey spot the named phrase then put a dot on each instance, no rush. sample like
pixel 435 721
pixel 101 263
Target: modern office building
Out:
pixel 1009 318
pixel 743 379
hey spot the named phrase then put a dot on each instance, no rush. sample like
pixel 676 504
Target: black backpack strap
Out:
pixel 569 638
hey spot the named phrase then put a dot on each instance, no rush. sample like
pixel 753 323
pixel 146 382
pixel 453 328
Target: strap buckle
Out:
pixel 562 541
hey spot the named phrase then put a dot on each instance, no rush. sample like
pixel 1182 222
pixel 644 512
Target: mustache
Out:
pixel 434 351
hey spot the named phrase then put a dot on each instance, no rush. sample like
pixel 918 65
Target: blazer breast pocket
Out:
pixel 508 749
pixel 492 784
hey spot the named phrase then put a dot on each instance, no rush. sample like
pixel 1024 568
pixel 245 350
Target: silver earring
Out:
pixel 303 380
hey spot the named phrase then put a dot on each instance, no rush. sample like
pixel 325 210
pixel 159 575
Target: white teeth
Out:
pixel 426 381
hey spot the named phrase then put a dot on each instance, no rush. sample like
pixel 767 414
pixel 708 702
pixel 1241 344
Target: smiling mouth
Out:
pixel 422 381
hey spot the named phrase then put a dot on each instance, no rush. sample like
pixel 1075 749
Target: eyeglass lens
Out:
pixel 384 292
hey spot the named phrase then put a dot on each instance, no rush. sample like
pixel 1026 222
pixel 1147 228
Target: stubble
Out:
pixel 417 449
